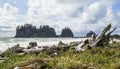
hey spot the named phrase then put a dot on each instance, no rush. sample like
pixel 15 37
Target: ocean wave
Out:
pixel 6 43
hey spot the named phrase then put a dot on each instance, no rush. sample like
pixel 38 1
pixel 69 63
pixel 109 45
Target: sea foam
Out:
pixel 6 43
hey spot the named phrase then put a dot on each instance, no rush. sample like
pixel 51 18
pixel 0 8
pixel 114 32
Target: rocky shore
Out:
pixel 52 52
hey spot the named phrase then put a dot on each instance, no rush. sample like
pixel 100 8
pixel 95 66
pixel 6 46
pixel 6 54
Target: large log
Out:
pixel 107 36
pixel 82 46
pixel 107 28
pixel 110 32
pixel 103 38
pixel 34 50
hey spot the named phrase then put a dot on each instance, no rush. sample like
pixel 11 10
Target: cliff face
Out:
pixel 29 30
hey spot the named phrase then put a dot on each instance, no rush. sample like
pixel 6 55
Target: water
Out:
pixel 6 42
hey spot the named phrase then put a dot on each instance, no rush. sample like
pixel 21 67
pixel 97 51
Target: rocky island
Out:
pixel 29 30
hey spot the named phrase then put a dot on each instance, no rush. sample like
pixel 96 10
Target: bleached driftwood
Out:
pixel 82 46
pixel 14 49
pixel 35 50
pixel 101 36
pixel 101 40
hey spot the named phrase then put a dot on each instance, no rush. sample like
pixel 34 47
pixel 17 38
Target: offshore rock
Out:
pixel 67 32
pixel 28 30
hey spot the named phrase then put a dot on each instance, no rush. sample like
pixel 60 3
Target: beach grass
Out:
pixel 97 58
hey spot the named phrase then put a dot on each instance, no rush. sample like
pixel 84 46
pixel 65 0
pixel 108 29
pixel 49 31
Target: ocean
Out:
pixel 7 42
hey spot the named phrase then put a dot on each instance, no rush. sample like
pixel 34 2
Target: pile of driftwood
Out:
pixel 99 41
pixel 34 48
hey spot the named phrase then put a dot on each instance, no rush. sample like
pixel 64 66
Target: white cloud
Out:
pixel 94 12
pixel 8 12
pixel 9 17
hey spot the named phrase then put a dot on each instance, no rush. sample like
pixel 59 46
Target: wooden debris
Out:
pixel 32 44
pixel 100 41
pixel 34 50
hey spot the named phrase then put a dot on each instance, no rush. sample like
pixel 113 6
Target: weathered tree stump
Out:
pixel 32 44
pixel 100 41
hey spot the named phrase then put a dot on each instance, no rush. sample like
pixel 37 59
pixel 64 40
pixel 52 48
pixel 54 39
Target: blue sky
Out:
pixel 80 15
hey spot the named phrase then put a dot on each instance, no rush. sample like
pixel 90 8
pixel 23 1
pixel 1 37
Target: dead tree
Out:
pixel 103 38
pixel 100 41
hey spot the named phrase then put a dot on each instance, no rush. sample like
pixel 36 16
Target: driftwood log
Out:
pixel 103 38
pixel 14 49
pixel 100 41
pixel 37 50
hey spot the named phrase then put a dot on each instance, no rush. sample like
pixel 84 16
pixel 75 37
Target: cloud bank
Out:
pixel 80 16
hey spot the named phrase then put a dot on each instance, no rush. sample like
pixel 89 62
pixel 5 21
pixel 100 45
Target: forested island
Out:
pixel 28 30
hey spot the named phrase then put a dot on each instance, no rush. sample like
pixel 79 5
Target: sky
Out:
pixel 81 16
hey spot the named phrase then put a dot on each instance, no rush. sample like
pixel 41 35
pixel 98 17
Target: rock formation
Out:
pixel 29 30
pixel 66 32
pixel 90 34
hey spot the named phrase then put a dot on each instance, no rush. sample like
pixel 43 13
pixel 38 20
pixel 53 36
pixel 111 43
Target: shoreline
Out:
pixel 49 43
pixel 52 57
pixel 40 41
